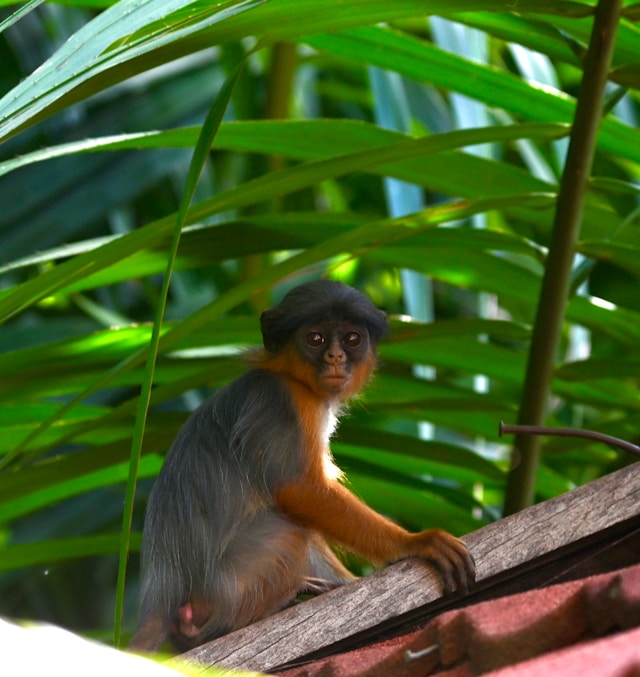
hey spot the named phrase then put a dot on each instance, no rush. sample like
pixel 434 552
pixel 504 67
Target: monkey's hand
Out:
pixel 448 554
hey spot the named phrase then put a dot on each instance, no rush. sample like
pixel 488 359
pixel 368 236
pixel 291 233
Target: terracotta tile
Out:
pixel 539 632
pixel 617 656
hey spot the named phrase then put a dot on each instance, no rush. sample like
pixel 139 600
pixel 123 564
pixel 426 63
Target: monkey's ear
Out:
pixel 274 334
pixel 377 323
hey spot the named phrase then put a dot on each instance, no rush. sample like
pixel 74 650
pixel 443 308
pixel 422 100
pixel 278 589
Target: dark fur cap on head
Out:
pixel 316 301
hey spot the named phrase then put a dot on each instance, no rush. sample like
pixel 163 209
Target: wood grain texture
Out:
pixel 408 585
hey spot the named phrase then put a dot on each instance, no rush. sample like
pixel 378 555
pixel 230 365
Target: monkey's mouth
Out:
pixel 335 378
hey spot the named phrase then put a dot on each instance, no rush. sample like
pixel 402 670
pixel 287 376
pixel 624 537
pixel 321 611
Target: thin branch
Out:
pixel 570 432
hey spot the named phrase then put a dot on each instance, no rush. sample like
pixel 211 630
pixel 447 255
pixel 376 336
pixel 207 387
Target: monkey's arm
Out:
pixel 330 508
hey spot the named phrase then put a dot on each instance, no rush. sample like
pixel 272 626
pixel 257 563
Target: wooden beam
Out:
pixel 406 586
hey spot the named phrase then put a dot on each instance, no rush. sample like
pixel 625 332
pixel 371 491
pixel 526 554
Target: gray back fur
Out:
pixel 218 477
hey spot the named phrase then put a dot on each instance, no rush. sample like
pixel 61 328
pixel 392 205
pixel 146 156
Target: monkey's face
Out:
pixel 334 349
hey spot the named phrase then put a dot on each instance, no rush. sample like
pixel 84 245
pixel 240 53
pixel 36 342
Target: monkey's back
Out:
pixel 213 496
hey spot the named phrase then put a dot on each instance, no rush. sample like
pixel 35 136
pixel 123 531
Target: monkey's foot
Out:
pixel 318 586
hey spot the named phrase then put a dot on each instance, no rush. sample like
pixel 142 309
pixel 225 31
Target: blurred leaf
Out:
pixel 77 483
pixel 586 370
pixel 46 553
pixel 599 316
pixel 132 36
pixel 453 462
pixel 414 508
pixel 423 61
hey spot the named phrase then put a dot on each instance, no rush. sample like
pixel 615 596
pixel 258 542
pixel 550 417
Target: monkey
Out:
pixel 241 517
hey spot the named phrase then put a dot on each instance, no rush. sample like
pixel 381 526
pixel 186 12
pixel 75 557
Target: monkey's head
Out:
pixel 332 328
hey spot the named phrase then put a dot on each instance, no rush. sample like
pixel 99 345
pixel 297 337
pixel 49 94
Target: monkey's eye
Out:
pixel 315 339
pixel 352 339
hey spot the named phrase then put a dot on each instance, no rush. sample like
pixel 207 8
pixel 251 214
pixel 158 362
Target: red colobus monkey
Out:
pixel 239 520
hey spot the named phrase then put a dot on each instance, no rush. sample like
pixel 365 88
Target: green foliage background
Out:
pixel 412 149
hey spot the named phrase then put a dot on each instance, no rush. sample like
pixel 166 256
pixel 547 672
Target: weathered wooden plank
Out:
pixel 559 522
pixel 405 586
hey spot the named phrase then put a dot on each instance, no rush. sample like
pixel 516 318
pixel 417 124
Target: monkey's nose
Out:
pixel 335 357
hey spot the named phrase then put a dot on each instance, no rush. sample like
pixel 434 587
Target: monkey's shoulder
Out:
pixel 261 428
pixel 255 411
pixel 249 424
pixel 257 393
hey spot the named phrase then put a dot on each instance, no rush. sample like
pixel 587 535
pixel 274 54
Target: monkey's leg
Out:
pixel 260 573
pixel 326 571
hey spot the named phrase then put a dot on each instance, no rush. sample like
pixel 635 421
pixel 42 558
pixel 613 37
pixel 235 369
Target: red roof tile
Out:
pixel 550 631
pixel 617 656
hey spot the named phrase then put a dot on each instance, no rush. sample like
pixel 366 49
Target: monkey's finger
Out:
pixel 464 568
pixel 464 572
pixel 456 566
pixel 449 555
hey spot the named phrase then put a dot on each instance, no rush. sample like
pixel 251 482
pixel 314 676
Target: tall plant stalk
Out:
pixel 557 276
